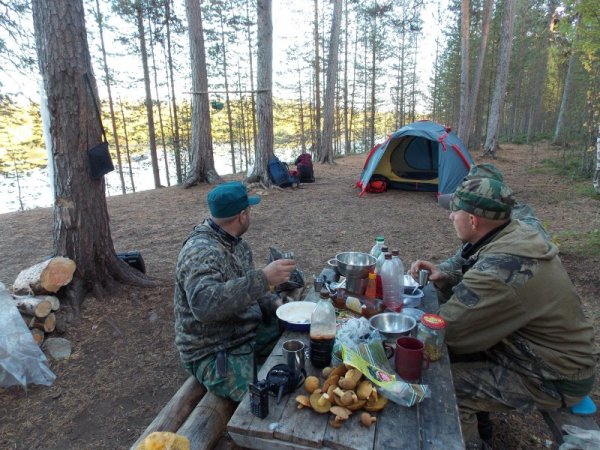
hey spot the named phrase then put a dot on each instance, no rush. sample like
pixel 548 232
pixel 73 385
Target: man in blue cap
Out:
pixel 224 310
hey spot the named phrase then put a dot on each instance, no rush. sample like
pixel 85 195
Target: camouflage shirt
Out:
pixel 516 302
pixel 220 298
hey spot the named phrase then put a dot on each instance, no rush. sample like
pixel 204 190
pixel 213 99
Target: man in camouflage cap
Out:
pixel 516 332
pixel 224 311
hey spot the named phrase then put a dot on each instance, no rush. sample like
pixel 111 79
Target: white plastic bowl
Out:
pixel 411 300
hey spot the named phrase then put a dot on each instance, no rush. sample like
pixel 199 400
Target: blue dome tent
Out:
pixel 422 156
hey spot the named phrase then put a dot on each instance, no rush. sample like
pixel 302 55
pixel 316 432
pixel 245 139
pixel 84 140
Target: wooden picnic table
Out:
pixel 432 424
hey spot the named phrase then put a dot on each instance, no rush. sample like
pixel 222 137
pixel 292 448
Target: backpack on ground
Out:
pixel 304 166
pixel 280 173
pixel 377 186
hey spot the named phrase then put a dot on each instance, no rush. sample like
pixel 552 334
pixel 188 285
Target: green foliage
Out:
pixel 586 243
pixel 570 163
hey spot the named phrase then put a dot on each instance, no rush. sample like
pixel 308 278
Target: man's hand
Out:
pixel 435 273
pixel 279 271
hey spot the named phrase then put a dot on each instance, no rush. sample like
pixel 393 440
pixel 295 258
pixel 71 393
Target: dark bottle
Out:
pixel 322 333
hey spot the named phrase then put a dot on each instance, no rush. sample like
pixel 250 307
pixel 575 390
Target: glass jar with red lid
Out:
pixel 431 332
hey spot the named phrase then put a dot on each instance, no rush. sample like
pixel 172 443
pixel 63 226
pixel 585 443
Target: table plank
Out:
pixel 439 418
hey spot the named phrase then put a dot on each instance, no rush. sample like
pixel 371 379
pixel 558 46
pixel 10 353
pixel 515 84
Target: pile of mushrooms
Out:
pixel 343 392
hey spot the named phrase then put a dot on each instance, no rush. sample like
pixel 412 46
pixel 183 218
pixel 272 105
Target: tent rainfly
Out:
pixel 422 156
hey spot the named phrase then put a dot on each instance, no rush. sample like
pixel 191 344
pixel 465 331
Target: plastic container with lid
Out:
pixel 376 249
pixel 431 332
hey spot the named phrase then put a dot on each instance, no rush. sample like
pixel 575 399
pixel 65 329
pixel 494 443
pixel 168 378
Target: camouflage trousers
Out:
pixel 240 361
pixel 484 386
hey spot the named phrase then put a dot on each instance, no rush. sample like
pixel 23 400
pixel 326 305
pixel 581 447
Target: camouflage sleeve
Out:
pixel 212 289
pixel 484 308
pixel 453 268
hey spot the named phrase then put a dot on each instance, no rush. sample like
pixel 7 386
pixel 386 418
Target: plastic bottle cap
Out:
pixel 388 256
pixel 433 321
pixel 379 239
pixel 372 276
pixel 384 249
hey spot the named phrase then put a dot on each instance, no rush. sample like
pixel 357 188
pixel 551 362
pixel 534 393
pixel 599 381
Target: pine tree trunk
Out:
pixel 493 126
pixel 227 101
pixel 317 86
pixel 158 104
pixel 596 180
pixel 176 143
pixel 253 94
pixel 202 166
pixel 148 100
pixel 81 222
pixel 301 115
pixel 463 126
pixel 474 89
pixel 264 104
pixel 346 130
pixel 326 154
pixel 127 146
pixel 560 121
pixel 110 100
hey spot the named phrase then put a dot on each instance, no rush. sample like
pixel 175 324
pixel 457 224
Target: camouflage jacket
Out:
pixel 220 297
pixel 516 302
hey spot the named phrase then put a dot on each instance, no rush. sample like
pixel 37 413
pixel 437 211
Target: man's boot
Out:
pixel 485 427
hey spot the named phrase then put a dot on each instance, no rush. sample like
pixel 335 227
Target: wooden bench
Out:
pixel 194 413
pixel 557 418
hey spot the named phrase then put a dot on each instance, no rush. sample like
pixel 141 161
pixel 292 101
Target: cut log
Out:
pixel 54 301
pixel 46 277
pixel 48 323
pixel 207 422
pixel 38 336
pixel 177 410
pixel 33 306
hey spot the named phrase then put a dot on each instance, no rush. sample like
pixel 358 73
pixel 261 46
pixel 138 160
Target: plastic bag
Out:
pixel 578 438
pixel 362 348
pixel 21 360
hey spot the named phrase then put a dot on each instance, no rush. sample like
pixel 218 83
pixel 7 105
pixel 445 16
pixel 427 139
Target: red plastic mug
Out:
pixel 409 356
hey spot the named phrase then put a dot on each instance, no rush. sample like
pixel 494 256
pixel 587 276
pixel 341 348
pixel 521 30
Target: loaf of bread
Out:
pixel 164 440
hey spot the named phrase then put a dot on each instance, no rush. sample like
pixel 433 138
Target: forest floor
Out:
pixel 125 367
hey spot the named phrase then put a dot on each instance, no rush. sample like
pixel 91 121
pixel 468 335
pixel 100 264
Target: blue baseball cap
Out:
pixel 229 199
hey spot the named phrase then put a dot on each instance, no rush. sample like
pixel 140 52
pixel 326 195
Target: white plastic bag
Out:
pixel 21 360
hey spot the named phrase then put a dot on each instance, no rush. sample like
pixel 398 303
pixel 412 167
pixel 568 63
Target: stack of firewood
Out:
pixel 38 312
pixel 32 294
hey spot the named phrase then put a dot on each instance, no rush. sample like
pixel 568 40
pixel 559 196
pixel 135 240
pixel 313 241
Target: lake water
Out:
pixel 37 193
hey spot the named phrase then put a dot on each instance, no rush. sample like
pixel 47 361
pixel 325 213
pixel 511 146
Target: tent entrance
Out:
pixel 415 158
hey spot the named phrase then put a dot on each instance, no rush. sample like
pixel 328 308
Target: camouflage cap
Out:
pixel 485 170
pixel 483 197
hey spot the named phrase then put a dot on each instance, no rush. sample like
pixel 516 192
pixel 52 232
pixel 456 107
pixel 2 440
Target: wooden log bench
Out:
pixel 194 413
pixel 555 419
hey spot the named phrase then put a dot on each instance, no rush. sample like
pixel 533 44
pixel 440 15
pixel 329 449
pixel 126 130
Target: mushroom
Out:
pixel 319 402
pixel 340 413
pixel 345 397
pixel 350 379
pixel 376 404
pixel 367 419
pixel 326 372
pixel 303 401
pixel 335 423
pixel 331 381
pixel 311 383
pixel 365 388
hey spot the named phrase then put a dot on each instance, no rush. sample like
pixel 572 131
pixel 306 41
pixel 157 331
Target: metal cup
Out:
pixel 293 354
pixel 423 277
pixel 318 283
